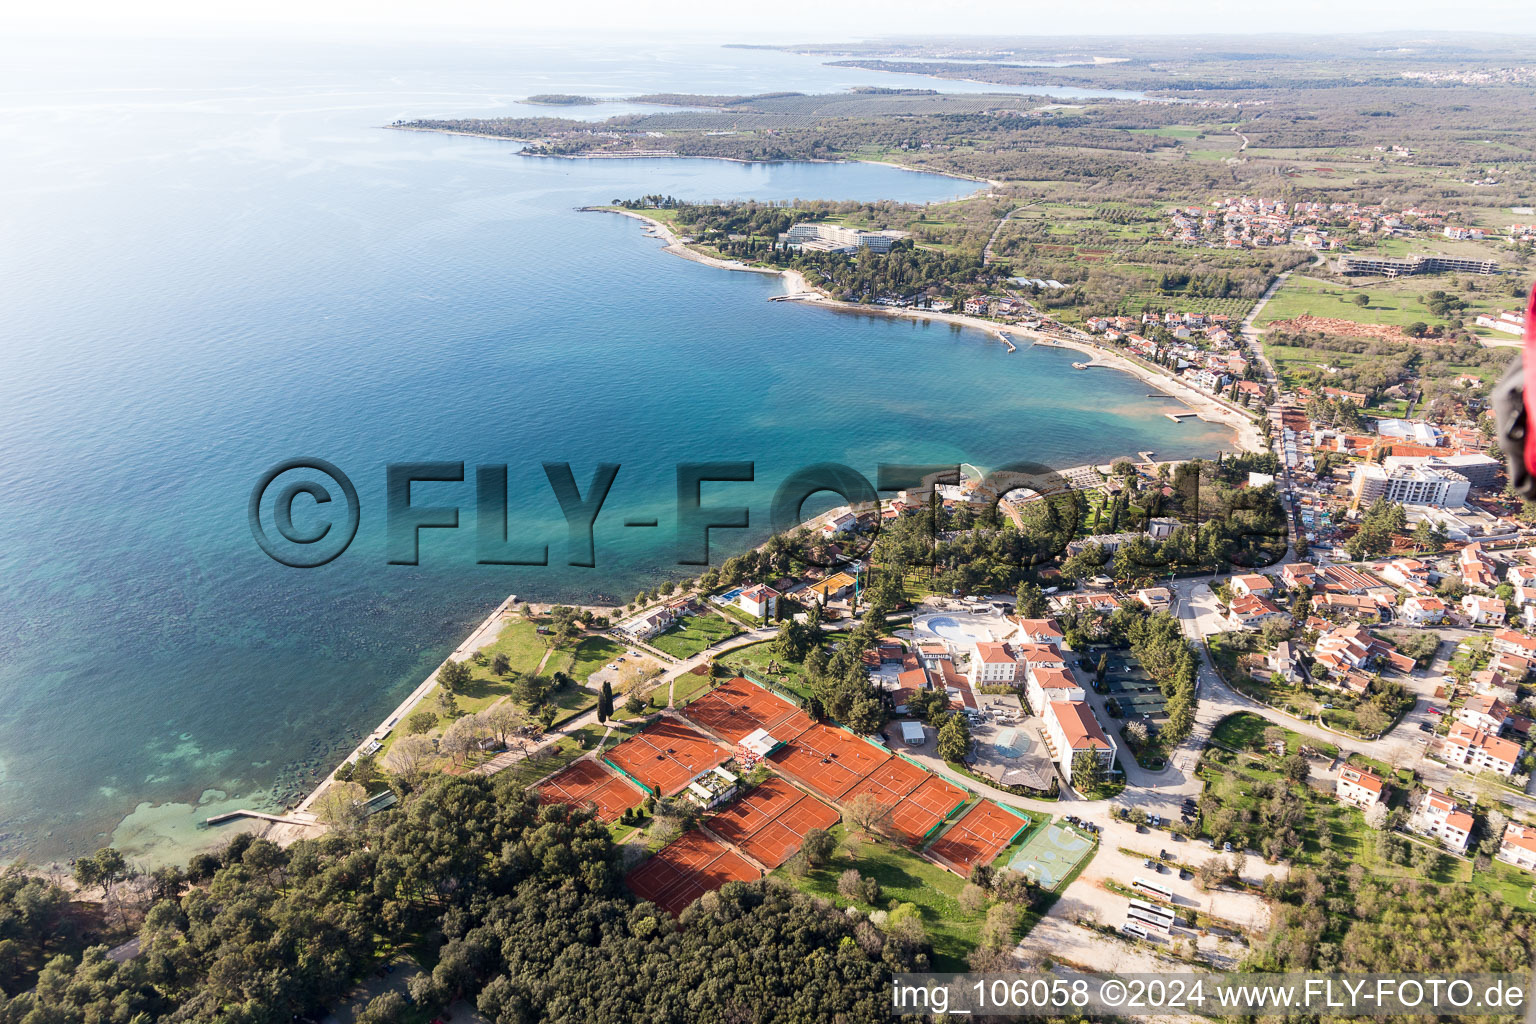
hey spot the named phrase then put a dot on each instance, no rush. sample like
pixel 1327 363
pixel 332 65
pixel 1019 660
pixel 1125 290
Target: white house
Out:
pixel 1483 611
pixel 1422 611
pixel 1519 847
pixel 1249 612
pixel 759 601
pixel 1476 750
pixel 1049 685
pixel 1252 583
pixel 1070 728
pixel 648 624
pixel 991 663
pixel 1360 787
pixel 1485 712
pixel 1282 661
pixel 1437 815
pixel 1041 631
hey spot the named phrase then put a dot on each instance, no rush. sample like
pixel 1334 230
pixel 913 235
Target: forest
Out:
pixel 515 907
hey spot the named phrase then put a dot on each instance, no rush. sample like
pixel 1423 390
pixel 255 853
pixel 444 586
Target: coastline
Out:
pixel 670 155
pixel 1206 406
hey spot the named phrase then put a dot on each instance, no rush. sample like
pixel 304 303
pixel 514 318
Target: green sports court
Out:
pixel 1051 855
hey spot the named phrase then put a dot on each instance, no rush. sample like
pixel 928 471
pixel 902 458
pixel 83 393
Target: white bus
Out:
pixel 1162 892
pixel 1143 913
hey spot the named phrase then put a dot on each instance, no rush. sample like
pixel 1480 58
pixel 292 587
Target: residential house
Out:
pixel 833 588
pixel 759 601
pixel 1512 667
pixel 1475 750
pixel 1496 683
pixel 1250 612
pixel 1519 847
pixel 1476 568
pixel 1422 611
pixel 1299 574
pixel 648 624
pixel 1283 662
pixel 1483 611
pixel 1071 728
pixel 1360 786
pixel 1437 815
pixel 1485 712
pixel 1252 583
pixel 1157 599
pixel 1507 641
pixel 1409 573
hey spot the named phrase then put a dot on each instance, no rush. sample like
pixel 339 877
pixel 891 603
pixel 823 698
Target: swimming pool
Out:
pixel 1012 744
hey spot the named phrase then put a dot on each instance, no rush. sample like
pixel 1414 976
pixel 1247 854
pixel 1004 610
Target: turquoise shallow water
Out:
pixel 215 261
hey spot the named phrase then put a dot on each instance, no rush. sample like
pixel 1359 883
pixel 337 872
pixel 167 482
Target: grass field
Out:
pixel 592 654
pixel 754 660
pixel 692 634
pixel 906 878
pixel 1395 303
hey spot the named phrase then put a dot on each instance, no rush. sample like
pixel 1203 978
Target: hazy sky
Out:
pixel 795 20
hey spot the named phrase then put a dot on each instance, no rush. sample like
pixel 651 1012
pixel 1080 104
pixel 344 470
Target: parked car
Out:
pixel 1226 847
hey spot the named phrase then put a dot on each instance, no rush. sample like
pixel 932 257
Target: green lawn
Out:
pixel 1245 731
pixel 692 634
pixel 592 654
pixel 754 660
pixel 1396 303
pixel 905 878
pixel 688 688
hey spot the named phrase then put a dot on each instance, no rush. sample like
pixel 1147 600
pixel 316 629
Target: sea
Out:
pixel 215 257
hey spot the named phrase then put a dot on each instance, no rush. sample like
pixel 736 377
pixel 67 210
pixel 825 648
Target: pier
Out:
pixel 282 819
pixel 1179 417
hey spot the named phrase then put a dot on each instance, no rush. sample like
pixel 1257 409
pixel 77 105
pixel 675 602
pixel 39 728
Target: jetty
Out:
pixel 1179 417
pixel 308 820
pixel 1006 341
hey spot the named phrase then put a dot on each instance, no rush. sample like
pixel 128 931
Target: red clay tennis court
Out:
pixel 771 821
pixel 687 869
pixel 977 838
pixel 828 760
pixel 889 782
pixel 760 806
pixel 666 755
pixel 923 809
pixel 587 781
pixel 782 837
pixel 740 707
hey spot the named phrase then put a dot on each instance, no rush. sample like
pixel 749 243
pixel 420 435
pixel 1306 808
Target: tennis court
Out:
pixel 586 781
pixel 781 838
pixel 685 870
pixel 666 755
pixel 923 809
pixel 1050 855
pixel 749 814
pixel 740 707
pixel 978 837
pixel 889 782
pixel 828 760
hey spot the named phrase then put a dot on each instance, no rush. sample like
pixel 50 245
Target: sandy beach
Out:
pixel 1207 406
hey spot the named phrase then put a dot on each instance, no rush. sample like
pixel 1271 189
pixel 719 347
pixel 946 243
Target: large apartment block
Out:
pixel 1416 485
pixel 833 238
pixel 1380 266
